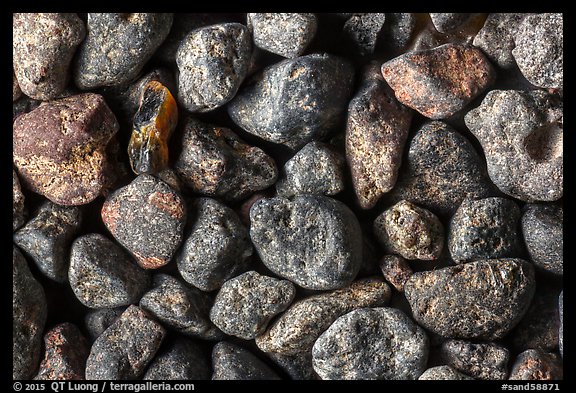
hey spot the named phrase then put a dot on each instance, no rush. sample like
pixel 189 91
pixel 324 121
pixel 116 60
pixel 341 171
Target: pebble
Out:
pixel 232 362
pixel 29 313
pixel 561 329
pixel 543 228
pixel 215 162
pixel 212 64
pixel 180 307
pixel 312 240
pixel 102 275
pixel 147 217
pixel 43 46
pixel 481 300
pixel 245 304
pixel 449 22
pixel 376 132
pixel 47 236
pixel 395 270
pixel 539 50
pixel 124 350
pixel 443 373
pixel 183 359
pixel 410 231
pixel 285 34
pixel 399 30
pixel 117 47
pixel 23 105
pixel 521 133
pixel 535 365
pixel 439 82
pixel 363 31
pixel 317 168
pixel 66 351
pixel 98 320
pixel 16 92
pixel 295 100
pixel 19 211
pixel 60 148
pixel 295 331
pixel 216 248
pixel 371 344
pixel 484 229
pixel 298 367
pixel 487 361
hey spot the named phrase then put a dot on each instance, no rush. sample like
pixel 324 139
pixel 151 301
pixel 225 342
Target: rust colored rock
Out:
pixel 439 82
pixel 60 148
pixel 396 271
pixel 536 365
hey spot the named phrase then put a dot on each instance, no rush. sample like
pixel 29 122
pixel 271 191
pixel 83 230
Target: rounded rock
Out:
pixel 396 271
pixel 448 22
pixel 488 361
pixel 363 30
pixel 98 320
pixel 231 362
pixel 535 365
pixel 182 360
pixel 443 373
pixel 543 228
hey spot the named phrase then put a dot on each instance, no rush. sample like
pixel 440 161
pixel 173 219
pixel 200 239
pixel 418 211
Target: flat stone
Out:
pixel 183 359
pixel 535 365
pixel 363 30
pixel 443 373
pixel 395 270
pixel 19 211
pixel 488 361
pixel 232 362
pixel 543 229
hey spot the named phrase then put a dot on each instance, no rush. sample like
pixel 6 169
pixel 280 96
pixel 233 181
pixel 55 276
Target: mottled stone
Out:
pixel 231 362
pixel 477 300
pixel 98 320
pixel 16 92
pixel 478 360
pixel 363 31
pixel 60 148
pixel 443 373
pixel 285 34
pixel 43 45
pixel 117 46
pixel 395 270
pixel 521 133
pixel 312 240
pixel 182 360
pixel 47 236
pixel 448 22
pixel 295 331
pixel 543 229
pixel 439 82
pixel 535 365
pixel 371 344
pixel 215 162
pixel 399 29
pixel 216 248
pixel 298 367
pixel 23 105
pixel 19 211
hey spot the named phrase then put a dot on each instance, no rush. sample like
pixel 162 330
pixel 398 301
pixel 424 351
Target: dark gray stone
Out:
pixel 98 320
pixel 543 228
pixel 231 362
pixel 536 365
pixel 479 360
pixel 363 31
pixel 561 329
pixel 443 373
pixel 182 360
pixel 449 22
pixel 19 211
pixel 399 29
pixel 298 367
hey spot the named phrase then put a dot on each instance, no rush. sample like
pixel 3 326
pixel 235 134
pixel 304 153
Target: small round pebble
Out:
pixel 395 270
pixel 182 360
pixel 363 31
pixel 535 365
pixel 231 362
pixel 478 360
pixel 443 373
pixel 98 320
pixel 543 228
pixel 19 211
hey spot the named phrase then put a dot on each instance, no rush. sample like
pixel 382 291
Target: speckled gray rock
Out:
pixel 98 320
pixel 231 362
pixel 561 329
pixel 117 46
pixel 216 248
pixel 295 331
pixel 448 22
pixel 215 162
pixel 147 217
pixel 47 236
pixel 180 307
pixel 539 50
pixel 521 133
pixel 285 34
pixel 395 270
pixel 312 240
pixel 363 31
pixel 298 367
pixel 212 63
pixel 183 359
pixel 246 303
pixel 484 229
pixel 16 92
pixel 478 360
pixel 442 169
pixel 477 300
pixel 542 228
pixel 535 365
pixel 43 46
pixel 443 373
pixel 371 344
pixel 124 350
pixel 29 312
pixel 19 211
pixel 294 101
pixel 315 169
pixel 399 29
pixel 376 132
pixel 102 275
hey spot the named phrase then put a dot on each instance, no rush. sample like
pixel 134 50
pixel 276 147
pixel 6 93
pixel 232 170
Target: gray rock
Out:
pixel 315 169
pixel 371 344
pixel 182 360
pixel 180 307
pixel 212 63
pixel 295 331
pixel 23 105
pixel 363 31
pixel 542 227
pixel 411 231
pixel 124 350
pixel 535 365
pixel 98 320
pixel 285 34
pixel 43 46
pixel 478 360
pixel 231 362
pixel 395 270
pixel 443 373
pixel 399 29
pixel 19 211
pixel 484 229
pixel 29 312
pixel 298 367
pixel 521 133
pixel 47 237
pixel 539 50
pixel 449 22
pixel 216 248
pixel 117 46
pixel 294 101
pixel 102 275
pixel 312 240
pixel 561 329
pixel 477 300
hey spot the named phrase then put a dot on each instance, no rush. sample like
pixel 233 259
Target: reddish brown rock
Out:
pixel 537 365
pixel 395 270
